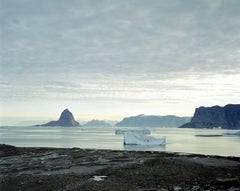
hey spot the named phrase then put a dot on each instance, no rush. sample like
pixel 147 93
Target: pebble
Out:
pixel 99 178
pixel 233 189
pixel 177 188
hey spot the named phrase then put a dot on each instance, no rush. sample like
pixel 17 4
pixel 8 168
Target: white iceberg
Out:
pixel 232 132
pixel 139 131
pixel 131 138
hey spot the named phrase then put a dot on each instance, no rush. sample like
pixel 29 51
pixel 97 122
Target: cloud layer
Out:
pixel 120 51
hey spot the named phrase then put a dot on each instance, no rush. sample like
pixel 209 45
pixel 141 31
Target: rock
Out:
pixel 7 150
pixel 75 168
pixel 227 117
pixel 177 188
pixel 153 121
pixel 97 123
pixel 99 178
pixel 66 120
pixel 233 189
pixel 196 188
pixel 228 182
pixel 148 189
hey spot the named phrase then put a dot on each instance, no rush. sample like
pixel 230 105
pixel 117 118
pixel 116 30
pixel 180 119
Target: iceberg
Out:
pixel 232 132
pixel 131 138
pixel 139 131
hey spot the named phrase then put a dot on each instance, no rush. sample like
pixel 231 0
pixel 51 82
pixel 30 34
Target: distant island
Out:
pixel 153 121
pixel 227 117
pixel 66 120
pixel 97 123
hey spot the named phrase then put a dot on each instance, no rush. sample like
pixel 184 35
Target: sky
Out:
pixel 109 59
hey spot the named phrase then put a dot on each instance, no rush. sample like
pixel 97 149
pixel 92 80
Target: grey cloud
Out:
pixel 152 37
pixel 79 40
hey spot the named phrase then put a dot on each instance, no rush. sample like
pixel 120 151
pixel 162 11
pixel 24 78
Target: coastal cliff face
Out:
pixel 227 117
pixel 66 120
pixel 153 121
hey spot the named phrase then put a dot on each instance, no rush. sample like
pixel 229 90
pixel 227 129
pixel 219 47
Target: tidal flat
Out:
pixel 72 169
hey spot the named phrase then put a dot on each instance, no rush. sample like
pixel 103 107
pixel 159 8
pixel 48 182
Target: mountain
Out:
pixel 153 121
pixel 66 120
pixel 97 123
pixel 227 117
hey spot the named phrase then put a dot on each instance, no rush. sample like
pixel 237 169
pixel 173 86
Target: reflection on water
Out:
pixel 178 140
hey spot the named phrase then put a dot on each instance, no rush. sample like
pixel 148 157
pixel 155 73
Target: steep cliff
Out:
pixel 227 117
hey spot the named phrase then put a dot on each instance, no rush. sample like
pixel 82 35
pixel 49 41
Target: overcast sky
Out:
pixel 109 59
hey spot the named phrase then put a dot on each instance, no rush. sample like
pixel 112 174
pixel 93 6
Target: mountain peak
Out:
pixel 66 110
pixel 66 120
pixel 66 115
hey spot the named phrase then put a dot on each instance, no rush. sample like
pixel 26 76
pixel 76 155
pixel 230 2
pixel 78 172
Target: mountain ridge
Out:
pixel 152 121
pixel 99 123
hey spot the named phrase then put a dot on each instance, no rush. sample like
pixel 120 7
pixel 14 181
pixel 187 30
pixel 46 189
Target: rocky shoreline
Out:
pixel 87 169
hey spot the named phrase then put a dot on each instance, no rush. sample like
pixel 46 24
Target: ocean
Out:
pixel 177 140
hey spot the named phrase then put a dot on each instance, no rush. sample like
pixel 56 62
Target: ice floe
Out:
pixel 232 132
pixel 131 138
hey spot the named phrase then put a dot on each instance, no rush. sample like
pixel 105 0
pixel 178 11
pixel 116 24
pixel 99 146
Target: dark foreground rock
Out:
pixel 66 120
pixel 84 169
pixel 227 117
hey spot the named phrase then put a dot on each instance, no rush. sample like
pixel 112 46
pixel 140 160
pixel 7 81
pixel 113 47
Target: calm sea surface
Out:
pixel 178 140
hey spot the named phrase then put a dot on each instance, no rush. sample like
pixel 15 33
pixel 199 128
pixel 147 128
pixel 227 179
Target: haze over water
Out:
pixel 178 140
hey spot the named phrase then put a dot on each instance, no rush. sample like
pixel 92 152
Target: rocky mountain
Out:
pixel 97 123
pixel 227 117
pixel 66 120
pixel 153 121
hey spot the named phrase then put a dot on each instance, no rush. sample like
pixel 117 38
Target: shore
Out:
pixel 55 169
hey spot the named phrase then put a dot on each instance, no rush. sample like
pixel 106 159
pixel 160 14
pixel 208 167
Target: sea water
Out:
pixel 178 140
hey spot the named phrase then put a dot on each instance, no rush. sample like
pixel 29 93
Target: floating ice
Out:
pixel 131 138
pixel 231 132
